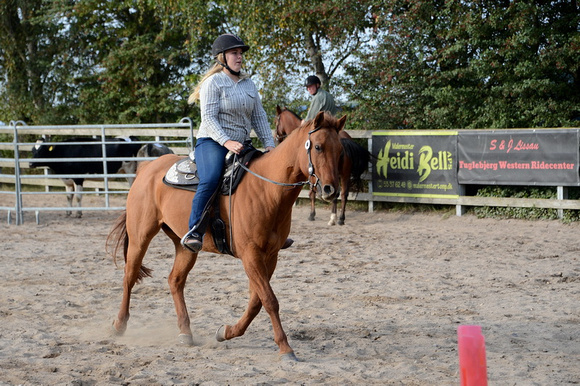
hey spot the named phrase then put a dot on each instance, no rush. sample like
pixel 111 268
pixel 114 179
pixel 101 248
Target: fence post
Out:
pixel 460 209
pixel 370 170
pixel 562 193
pixel 105 170
pixel 17 182
pixel 191 136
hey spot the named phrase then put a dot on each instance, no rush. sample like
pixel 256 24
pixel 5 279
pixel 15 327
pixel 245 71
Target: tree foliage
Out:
pixel 138 64
pixel 28 45
pixel 476 64
pixel 294 39
pixel 391 63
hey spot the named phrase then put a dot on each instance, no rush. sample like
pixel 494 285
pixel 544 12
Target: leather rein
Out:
pixel 311 173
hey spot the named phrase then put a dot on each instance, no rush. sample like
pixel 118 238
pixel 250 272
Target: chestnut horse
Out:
pixel 353 163
pixel 260 219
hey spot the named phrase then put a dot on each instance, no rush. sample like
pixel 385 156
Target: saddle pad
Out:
pixel 182 174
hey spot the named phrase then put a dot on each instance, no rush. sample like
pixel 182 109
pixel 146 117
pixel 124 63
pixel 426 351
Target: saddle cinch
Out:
pixel 183 175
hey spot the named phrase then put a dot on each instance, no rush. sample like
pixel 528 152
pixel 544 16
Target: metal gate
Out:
pixel 16 157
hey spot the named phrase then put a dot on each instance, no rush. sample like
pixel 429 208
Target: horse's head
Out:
pixel 286 121
pixel 323 151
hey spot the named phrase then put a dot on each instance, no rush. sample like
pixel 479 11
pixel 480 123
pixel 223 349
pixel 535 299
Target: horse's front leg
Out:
pixel 229 332
pixel 184 262
pixel 312 195
pixel 344 199
pixel 333 212
pixel 259 275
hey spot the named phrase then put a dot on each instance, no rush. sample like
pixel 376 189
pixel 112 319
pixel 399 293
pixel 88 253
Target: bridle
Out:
pixel 279 137
pixel 311 172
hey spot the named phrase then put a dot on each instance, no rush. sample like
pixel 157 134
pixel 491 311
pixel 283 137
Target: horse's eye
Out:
pixel 318 147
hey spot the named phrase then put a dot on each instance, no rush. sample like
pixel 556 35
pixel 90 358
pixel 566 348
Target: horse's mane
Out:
pixel 329 120
pixel 292 112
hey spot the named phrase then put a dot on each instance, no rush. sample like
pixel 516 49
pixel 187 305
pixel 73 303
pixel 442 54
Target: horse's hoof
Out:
pixel 311 218
pixel 220 334
pixel 185 339
pixel 114 332
pixel 288 357
pixel 287 244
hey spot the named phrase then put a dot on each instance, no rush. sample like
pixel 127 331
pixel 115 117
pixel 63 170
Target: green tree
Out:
pixel 130 64
pixel 94 61
pixel 28 46
pixel 290 39
pixel 296 38
pixel 477 64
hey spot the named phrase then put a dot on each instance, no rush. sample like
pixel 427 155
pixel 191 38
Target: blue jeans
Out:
pixel 210 159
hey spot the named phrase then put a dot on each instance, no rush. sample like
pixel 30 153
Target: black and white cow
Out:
pixel 115 147
pixel 147 150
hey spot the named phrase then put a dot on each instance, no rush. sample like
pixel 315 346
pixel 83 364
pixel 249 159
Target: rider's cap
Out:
pixel 312 79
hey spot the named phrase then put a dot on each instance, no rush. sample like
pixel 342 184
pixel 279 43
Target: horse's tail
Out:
pixel 118 237
pixel 359 157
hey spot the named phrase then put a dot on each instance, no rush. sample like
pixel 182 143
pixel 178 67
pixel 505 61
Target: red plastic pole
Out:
pixel 472 363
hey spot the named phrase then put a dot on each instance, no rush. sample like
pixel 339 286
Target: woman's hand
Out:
pixel 234 146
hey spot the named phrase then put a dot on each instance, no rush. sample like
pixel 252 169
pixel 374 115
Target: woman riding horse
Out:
pixel 230 108
pixel 258 216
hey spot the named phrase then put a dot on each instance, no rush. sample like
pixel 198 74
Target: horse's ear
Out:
pixel 341 123
pixel 318 119
pixel 278 110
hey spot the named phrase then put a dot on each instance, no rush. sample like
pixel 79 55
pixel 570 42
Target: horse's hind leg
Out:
pixel 345 187
pixel 343 198
pixel 134 272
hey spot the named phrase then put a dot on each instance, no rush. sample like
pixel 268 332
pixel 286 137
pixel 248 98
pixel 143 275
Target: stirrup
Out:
pixel 192 240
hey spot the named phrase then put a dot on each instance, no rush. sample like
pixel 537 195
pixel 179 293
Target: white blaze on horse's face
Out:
pixel 322 171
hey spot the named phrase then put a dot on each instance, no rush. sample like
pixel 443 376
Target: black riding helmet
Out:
pixel 312 79
pixel 227 42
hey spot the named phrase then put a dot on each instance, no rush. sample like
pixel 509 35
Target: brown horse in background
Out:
pixel 260 219
pixel 353 163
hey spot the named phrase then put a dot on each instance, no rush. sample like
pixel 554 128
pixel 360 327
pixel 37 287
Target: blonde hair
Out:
pixel 217 67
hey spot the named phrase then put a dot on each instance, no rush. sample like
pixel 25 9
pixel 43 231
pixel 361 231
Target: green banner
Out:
pixel 415 163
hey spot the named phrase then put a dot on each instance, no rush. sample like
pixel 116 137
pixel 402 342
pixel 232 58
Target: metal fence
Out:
pixel 177 136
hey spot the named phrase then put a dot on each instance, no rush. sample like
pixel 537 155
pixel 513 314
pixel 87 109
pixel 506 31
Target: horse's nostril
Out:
pixel 328 191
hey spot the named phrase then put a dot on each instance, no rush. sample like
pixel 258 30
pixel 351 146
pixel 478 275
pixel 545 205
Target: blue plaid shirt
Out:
pixel 230 110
